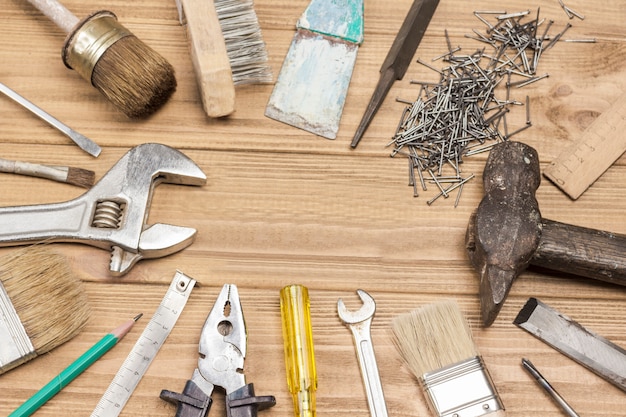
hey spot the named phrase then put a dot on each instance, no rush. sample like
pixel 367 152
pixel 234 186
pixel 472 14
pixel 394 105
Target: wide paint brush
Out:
pixel 42 304
pixel 437 346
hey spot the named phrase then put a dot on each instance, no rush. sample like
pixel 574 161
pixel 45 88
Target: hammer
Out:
pixel 506 233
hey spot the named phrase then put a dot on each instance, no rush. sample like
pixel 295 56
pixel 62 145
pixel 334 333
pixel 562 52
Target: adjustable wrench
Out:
pixel 359 323
pixel 112 214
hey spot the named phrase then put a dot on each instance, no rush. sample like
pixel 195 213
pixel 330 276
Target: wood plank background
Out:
pixel 282 206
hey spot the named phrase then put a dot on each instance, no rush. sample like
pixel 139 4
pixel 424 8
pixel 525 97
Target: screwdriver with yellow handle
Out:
pixel 299 355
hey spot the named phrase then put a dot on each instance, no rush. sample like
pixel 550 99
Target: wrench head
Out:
pixel 129 185
pixel 366 311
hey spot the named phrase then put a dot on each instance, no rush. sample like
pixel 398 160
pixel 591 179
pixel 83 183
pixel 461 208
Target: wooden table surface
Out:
pixel 282 206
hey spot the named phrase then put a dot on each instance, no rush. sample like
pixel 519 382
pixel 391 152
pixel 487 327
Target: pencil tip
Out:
pixel 138 316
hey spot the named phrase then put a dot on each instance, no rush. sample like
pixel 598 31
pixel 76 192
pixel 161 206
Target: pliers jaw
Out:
pixel 222 350
pixel 223 342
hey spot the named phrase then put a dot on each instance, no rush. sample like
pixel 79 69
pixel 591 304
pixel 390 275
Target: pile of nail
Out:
pixel 460 115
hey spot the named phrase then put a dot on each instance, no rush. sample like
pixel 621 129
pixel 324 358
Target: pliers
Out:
pixel 222 351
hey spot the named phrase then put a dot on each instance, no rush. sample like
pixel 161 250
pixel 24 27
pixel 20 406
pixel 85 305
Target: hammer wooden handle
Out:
pixel 582 251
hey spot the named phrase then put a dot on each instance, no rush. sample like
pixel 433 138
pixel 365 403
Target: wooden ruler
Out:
pixel 146 348
pixel 600 145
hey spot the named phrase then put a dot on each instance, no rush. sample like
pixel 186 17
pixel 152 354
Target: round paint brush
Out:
pixel 129 73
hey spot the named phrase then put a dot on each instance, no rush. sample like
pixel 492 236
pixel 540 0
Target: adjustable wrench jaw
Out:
pixel 112 214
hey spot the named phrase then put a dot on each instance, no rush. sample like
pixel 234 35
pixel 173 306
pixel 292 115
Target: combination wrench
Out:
pixel 360 323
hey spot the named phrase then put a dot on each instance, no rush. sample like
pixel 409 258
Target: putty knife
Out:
pixel 311 88
pixel 592 351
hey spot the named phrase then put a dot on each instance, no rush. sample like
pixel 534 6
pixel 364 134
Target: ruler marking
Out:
pixel 140 357
pixel 600 145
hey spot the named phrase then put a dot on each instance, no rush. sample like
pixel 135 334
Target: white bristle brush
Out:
pixel 437 346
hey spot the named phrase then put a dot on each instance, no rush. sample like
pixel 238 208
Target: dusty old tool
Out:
pixel 226 47
pixel 112 214
pixel 43 304
pixel 569 337
pixel 398 58
pixel 130 74
pixel 69 175
pixel 360 323
pixel 222 351
pixel 506 233
pixel 311 88
pixel 79 139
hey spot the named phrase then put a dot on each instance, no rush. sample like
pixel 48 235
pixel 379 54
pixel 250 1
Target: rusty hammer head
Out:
pixel 504 231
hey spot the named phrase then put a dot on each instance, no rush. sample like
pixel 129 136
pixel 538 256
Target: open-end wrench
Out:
pixel 112 214
pixel 359 323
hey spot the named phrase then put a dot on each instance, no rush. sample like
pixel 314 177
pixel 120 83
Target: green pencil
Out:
pixel 76 368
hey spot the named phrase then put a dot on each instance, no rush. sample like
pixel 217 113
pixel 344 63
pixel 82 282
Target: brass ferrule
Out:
pixel 89 40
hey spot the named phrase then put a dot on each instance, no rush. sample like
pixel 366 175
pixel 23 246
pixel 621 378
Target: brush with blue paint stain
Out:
pixel 311 88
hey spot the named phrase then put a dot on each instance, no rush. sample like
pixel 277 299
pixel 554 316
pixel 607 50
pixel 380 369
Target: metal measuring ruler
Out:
pixel 146 348
pixel 600 145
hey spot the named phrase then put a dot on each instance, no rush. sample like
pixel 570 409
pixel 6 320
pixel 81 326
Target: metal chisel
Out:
pixel 573 340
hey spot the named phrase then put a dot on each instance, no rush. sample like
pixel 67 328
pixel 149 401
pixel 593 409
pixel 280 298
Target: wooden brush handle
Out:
pixel 56 12
pixel 209 56
pixel 33 170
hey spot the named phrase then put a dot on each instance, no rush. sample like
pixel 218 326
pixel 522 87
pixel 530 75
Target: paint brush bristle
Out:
pixel 433 336
pixel 80 177
pixel 437 345
pixel 134 77
pixel 244 42
pixel 48 299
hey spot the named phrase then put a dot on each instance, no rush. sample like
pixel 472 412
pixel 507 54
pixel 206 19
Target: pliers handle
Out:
pixel 194 402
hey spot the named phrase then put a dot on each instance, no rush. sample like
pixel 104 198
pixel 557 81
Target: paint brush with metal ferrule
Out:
pixel 129 73
pixel 42 304
pixel 437 346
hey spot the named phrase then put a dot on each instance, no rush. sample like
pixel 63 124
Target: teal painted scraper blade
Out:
pixel 311 88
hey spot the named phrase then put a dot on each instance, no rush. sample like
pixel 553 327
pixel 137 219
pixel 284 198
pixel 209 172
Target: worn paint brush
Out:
pixel 129 73
pixel 227 49
pixel 437 346
pixel 42 304
pixel 70 175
